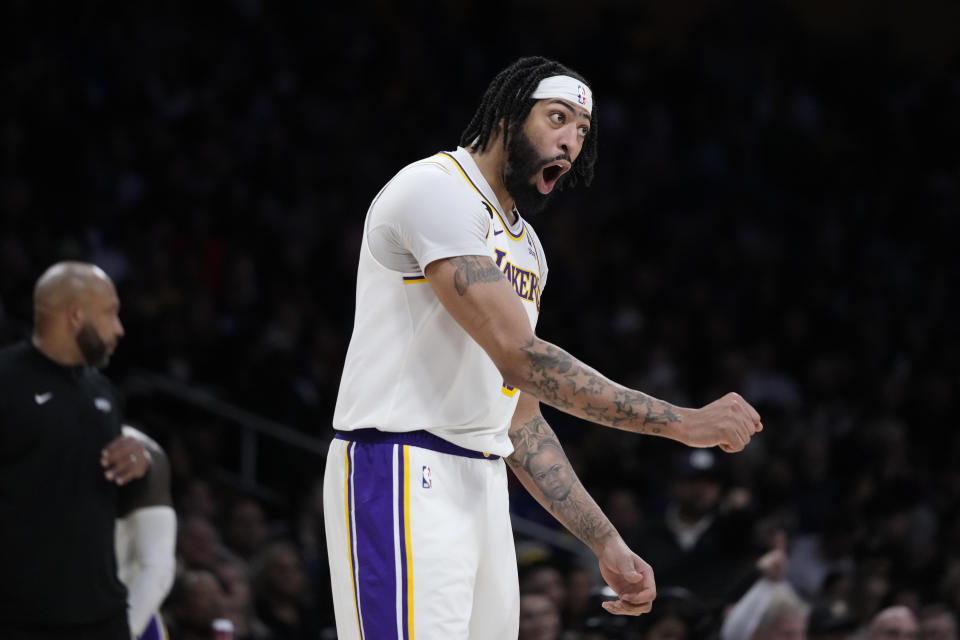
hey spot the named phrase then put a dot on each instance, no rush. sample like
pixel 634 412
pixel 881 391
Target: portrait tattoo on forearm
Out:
pixel 538 454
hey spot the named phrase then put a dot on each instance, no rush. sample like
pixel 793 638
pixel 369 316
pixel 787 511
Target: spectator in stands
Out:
pixel 539 617
pixel 196 600
pixel 245 527
pixel 937 622
pixel 893 623
pixel 280 593
pixel 697 544
pixel 199 545
pixel 771 609
pixel 234 575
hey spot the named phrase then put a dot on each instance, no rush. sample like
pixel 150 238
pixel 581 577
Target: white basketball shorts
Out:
pixel 419 539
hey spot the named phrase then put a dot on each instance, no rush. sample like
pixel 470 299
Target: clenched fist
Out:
pixel 728 423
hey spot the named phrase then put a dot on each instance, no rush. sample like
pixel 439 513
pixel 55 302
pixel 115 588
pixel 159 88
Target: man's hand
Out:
pixel 124 459
pixel 774 563
pixel 630 577
pixel 728 423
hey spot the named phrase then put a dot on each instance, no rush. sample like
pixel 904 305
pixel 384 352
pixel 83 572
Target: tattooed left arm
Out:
pixel 542 467
pixel 478 297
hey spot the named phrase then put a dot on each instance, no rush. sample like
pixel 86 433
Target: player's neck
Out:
pixel 491 163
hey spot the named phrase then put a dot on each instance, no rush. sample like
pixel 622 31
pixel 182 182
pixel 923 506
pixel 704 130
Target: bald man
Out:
pixel 61 461
pixel 893 623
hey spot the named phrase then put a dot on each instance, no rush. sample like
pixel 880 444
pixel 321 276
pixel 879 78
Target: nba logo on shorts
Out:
pixel 427 480
pixel 581 94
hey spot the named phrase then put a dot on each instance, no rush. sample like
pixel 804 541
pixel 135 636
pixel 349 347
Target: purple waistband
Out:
pixel 422 439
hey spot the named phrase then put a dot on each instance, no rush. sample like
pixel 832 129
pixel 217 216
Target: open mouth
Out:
pixel 550 174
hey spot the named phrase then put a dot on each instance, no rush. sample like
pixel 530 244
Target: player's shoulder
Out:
pixel 19 360
pixel 14 352
pixel 437 167
pixel 435 175
pixel 151 445
pixel 153 489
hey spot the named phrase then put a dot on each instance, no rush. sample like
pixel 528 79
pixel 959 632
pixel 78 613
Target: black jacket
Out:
pixel 57 512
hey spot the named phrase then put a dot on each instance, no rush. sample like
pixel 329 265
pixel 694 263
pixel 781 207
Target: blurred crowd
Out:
pixel 775 212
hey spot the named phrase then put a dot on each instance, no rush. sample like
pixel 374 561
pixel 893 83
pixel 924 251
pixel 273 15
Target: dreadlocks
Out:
pixel 508 98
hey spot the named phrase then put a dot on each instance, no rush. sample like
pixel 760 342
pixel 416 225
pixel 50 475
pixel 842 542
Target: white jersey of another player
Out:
pixel 145 541
pixel 410 365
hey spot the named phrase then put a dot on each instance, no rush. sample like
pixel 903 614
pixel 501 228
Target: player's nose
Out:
pixel 568 141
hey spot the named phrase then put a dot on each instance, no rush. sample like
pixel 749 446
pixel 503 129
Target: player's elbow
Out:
pixel 514 364
pixel 511 377
pixel 166 575
pixel 162 572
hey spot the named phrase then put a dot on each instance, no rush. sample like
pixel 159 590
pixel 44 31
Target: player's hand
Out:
pixel 728 423
pixel 629 576
pixel 124 459
pixel 773 564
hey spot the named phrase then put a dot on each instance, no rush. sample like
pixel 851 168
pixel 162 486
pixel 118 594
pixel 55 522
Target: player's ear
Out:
pixel 501 133
pixel 76 317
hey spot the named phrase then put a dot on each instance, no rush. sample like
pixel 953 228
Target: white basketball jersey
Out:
pixel 409 365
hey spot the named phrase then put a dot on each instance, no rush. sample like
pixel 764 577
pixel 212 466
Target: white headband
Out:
pixel 566 88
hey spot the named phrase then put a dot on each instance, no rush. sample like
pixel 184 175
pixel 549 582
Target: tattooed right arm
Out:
pixel 540 464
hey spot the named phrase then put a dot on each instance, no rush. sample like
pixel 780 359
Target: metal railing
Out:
pixel 253 427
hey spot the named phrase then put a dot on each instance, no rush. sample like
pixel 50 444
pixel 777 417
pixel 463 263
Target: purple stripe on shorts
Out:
pixel 376 562
pixel 421 439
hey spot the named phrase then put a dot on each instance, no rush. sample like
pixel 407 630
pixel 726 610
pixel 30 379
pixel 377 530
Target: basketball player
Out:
pixel 58 416
pixel 444 375
pixel 146 536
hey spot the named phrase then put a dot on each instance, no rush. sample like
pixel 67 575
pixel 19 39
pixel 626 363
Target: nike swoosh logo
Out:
pixel 42 398
pixel 496 232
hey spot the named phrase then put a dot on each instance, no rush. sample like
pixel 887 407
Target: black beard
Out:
pixel 93 348
pixel 523 163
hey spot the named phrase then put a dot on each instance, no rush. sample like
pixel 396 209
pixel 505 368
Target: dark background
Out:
pixel 775 212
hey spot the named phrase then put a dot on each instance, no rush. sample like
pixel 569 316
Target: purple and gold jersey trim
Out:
pixel 419 438
pixel 381 552
pixel 506 227
pixel 414 279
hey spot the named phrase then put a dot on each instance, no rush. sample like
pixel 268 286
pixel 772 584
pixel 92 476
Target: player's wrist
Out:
pixel 609 545
pixel 678 428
